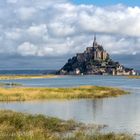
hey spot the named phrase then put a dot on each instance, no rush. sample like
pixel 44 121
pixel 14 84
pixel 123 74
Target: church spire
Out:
pixel 95 38
pixel 94 42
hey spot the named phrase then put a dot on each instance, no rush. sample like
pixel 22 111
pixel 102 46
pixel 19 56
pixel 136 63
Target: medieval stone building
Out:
pixel 94 60
pixel 99 52
pixel 96 52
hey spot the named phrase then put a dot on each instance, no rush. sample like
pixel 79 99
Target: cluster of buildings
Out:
pixel 94 60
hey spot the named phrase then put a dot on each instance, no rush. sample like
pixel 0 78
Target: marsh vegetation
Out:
pixel 36 93
pixel 21 126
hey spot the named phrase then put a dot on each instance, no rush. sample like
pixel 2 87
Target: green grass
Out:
pixel 82 92
pixel 20 126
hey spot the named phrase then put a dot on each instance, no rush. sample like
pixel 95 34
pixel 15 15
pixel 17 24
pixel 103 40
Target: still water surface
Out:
pixel 120 114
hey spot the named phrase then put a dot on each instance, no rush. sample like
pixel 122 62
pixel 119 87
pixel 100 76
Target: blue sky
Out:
pixel 108 2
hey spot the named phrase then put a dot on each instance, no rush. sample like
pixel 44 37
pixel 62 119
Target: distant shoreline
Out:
pixel 39 76
pixel 134 77
pixel 45 76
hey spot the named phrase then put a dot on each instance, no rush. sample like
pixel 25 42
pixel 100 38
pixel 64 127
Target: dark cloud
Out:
pixel 28 62
pixel 132 61
pixel 31 62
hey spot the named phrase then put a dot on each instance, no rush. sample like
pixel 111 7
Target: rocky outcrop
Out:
pixel 94 60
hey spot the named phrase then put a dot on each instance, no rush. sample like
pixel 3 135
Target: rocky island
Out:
pixel 96 61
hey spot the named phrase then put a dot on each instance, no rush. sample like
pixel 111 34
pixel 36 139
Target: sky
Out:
pixel 108 2
pixel 43 34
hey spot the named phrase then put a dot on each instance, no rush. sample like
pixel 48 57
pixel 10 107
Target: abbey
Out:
pixel 94 60
pixel 96 52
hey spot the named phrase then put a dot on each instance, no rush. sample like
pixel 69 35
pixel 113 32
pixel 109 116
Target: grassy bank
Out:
pixel 134 77
pixel 8 77
pixel 19 126
pixel 24 93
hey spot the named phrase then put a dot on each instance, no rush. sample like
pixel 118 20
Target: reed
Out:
pixel 99 136
pixel 28 93
pixel 21 126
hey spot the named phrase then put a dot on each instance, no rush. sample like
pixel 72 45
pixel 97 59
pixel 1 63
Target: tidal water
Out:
pixel 121 114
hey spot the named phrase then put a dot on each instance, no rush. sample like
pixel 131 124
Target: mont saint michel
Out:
pixel 94 60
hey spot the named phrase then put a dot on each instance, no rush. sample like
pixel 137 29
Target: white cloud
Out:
pixel 26 13
pixel 14 35
pixel 39 30
pixel 12 1
pixel 61 30
pixel 124 22
pixel 58 27
pixel 26 49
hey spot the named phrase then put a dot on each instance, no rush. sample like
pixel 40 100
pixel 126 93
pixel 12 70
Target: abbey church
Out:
pixel 94 60
pixel 96 52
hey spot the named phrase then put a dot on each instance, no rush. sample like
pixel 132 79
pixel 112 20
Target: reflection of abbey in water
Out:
pixel 94 60
pixel 97 108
